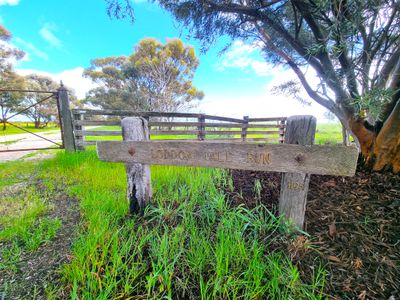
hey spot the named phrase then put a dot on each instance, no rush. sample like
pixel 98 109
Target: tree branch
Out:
pixel 383 36
pixel 391 64
pixel 314 95
pixel 325 70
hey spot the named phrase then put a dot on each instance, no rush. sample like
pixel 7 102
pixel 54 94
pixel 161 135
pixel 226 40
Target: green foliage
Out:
pixel 23 224
pixel 19 213
pixel 9 257
pixel 44 112
pixel 154 77
pixel 352 46
pixel 189 243
pixel 9 101
pixel 371 103
pixel 43 232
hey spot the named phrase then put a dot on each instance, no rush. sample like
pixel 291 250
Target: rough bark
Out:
pixel 386 150
pixel 138 175
pixel 380 147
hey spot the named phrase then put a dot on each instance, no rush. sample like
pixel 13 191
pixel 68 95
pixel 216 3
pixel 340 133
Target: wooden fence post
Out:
pixel 79 140
pixel 294 186
pixel 147 118
pixel 138 175
pixel 201 128
pixel 282 130
pixel 244 127
pixel 66 119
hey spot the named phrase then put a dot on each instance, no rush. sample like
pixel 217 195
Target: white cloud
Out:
pixel 245 57
pixel 260 105
pixel 29 47
pixel 264 103
pixel 47 33
pixel 262 68
pixel 9 2
pixel 71 78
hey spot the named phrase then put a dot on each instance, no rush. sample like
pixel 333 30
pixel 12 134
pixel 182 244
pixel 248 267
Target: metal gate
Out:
pixel 48 96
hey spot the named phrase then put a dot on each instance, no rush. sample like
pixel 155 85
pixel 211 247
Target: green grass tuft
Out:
pixel 189 243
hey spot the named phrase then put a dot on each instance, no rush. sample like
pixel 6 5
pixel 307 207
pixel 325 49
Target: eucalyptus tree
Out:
pixel 155 77
pixel 353 47
pixel 40 112
pixel 9 101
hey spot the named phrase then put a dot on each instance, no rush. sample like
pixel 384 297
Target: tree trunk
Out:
pixel 386 150
pixel 381 150
pixel 345 136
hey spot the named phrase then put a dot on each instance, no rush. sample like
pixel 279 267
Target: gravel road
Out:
pixel 26 141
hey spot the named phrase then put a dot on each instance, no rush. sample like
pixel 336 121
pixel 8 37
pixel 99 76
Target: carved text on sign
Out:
pixel 247 156
pixel 171 154
pixel 217 156
pixel 263 158
pixel 295 185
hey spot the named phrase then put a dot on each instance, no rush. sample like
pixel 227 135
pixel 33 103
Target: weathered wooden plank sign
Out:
pixel 325 160
pixel 297 159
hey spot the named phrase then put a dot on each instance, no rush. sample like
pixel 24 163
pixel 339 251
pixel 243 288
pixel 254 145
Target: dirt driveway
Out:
pixel 26 141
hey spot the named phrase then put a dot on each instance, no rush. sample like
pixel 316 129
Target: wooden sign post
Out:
pixel 294 186
pixel 286 158
pixel 138 175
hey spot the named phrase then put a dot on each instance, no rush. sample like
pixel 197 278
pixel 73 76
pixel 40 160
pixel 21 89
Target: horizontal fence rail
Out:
pixel 92 125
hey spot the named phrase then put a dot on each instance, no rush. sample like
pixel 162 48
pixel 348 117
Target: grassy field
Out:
pixel 326 133
pixel 189 244
pixel 25 125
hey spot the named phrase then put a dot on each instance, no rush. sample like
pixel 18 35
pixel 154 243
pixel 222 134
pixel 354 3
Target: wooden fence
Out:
pixel 185 126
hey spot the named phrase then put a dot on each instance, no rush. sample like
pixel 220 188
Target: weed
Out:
pixel 257 189
pixel 40 234
pixel 9 257
pixel 189 244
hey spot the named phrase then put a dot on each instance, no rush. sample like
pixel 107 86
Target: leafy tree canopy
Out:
pixel 9 101
pixel 353 46
pixel 44 111
pixel 156 77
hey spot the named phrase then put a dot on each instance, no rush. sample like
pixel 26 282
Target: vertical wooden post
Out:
pixel 201 128
pixel 244 127
pixel 79 139
pixel 66 119
pixel 138 175
pixel 147 118
pixel 294 186
pixel 281 130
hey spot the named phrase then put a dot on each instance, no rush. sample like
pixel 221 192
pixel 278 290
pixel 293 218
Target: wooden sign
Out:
pixel 324 160
pixel 296 159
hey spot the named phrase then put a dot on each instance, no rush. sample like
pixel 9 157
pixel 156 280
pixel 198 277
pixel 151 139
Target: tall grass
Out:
pixel 189 244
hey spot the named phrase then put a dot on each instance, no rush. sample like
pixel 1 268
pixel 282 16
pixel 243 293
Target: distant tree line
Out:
pixel 155 77
pixel 12 102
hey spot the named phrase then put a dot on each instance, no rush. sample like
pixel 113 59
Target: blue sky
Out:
pixel 60 38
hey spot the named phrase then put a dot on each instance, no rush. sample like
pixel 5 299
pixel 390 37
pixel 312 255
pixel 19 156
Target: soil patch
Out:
pixel 36 270
pixel 354 223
